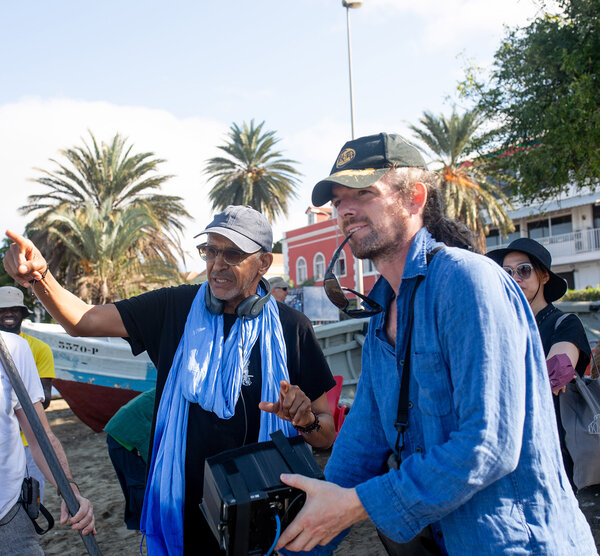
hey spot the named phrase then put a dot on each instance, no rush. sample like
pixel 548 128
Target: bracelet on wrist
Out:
pixel 315 426
pixel 70 481
pixel 34 280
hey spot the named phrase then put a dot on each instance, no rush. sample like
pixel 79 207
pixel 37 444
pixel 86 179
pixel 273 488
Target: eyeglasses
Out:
pixel 232 257
pixel 335 291
pixel 278 288
pixel 523 271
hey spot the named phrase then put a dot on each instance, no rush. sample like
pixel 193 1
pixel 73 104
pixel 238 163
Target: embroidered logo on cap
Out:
pixel 345 156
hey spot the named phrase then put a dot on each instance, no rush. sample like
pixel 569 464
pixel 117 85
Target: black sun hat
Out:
pixel 556 286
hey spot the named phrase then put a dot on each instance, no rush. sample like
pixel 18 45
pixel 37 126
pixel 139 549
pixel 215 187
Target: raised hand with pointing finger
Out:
pixel 23 261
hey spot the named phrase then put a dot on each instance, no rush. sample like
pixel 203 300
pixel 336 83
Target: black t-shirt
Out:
pixel 155 322
pixel 569 330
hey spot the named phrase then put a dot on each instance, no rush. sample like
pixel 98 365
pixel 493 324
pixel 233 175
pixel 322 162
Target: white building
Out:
pixel 569 227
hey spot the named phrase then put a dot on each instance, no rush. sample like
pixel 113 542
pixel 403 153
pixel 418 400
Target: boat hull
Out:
pixel 93 404
pixel 95 376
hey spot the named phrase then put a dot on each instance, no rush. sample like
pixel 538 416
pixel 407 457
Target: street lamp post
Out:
pixel 348 4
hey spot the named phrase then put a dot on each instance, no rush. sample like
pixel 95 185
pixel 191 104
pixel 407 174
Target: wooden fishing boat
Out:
pixel 95 376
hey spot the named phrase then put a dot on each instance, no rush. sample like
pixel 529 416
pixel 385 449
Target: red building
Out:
pixel 308 250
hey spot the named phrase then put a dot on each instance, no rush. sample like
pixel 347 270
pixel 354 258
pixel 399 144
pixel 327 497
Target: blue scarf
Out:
pixel 208 371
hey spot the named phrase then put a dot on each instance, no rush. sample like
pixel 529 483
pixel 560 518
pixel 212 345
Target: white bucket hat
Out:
pixel 12 297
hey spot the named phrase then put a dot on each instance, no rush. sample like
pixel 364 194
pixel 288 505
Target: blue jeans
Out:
pixel 131 472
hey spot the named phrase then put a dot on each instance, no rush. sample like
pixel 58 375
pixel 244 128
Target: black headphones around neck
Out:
pixel 249 308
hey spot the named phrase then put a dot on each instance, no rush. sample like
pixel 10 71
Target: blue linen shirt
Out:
pixel 481 460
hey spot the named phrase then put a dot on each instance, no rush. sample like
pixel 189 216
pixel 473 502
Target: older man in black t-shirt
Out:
pixel 172 325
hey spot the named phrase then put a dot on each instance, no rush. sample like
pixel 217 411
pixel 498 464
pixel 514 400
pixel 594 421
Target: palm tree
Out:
pixel 108 245
pixel 469 196
pixel 253 173
pixel 108 179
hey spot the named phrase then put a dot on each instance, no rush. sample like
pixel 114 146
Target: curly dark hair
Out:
pixel 442 228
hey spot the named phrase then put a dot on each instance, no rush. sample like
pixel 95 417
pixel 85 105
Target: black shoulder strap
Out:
pixel 49 519
pixel 401 423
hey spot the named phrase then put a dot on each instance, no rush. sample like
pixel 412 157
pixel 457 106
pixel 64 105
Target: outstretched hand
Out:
pixel 329 510
pixel 23 261
pixel 293 405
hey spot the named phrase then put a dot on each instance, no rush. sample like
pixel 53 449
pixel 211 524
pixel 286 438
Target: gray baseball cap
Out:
pixel 365 160
pixel 243 225
pixel 278 282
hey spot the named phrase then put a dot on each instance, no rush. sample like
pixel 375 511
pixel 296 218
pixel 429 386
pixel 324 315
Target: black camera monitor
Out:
pixel 245 503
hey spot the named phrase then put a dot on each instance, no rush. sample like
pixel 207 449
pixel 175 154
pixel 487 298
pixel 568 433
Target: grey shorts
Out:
pixel 17 534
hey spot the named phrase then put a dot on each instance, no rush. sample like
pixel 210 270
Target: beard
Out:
pixel 373 247
pixel 381 242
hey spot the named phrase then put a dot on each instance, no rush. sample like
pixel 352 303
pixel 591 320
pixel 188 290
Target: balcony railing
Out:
pixel 568 245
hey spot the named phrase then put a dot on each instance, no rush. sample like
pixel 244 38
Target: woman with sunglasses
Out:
pixel 565 344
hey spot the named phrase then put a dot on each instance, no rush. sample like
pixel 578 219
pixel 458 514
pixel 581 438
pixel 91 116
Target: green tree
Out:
pixel 5 279
pixel 253 173
pixel 104 181
pixel 108 245
pixel 469 196
pixel 544 93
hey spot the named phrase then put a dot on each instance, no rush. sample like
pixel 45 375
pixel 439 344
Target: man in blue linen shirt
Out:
pixel 481 471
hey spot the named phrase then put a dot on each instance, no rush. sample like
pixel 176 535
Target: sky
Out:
pixel 173 76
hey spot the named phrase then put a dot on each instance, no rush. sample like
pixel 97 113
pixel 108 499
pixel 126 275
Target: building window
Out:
pixel 538 229
pixel 340 265
pixel 319 266
pixel 368 267
pixel 559 225
pixel 492 240
pixel 596 215
pixel 301 272
pixel 495 240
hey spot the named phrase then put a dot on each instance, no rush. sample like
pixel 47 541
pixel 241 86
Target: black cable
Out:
pixel 245 416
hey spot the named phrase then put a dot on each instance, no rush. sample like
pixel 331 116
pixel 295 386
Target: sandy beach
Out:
pixel 95 475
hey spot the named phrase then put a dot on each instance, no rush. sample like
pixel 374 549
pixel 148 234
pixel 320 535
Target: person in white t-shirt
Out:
pixel 17 534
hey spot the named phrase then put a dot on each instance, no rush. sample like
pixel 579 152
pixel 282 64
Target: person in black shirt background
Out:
pixel 565 344
pixel 238 254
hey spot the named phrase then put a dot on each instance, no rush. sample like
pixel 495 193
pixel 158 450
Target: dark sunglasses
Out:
pixel 523 271
pixel 231 256
pixel 335 291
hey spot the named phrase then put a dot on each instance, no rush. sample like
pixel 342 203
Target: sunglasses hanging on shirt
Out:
pixel 335 291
